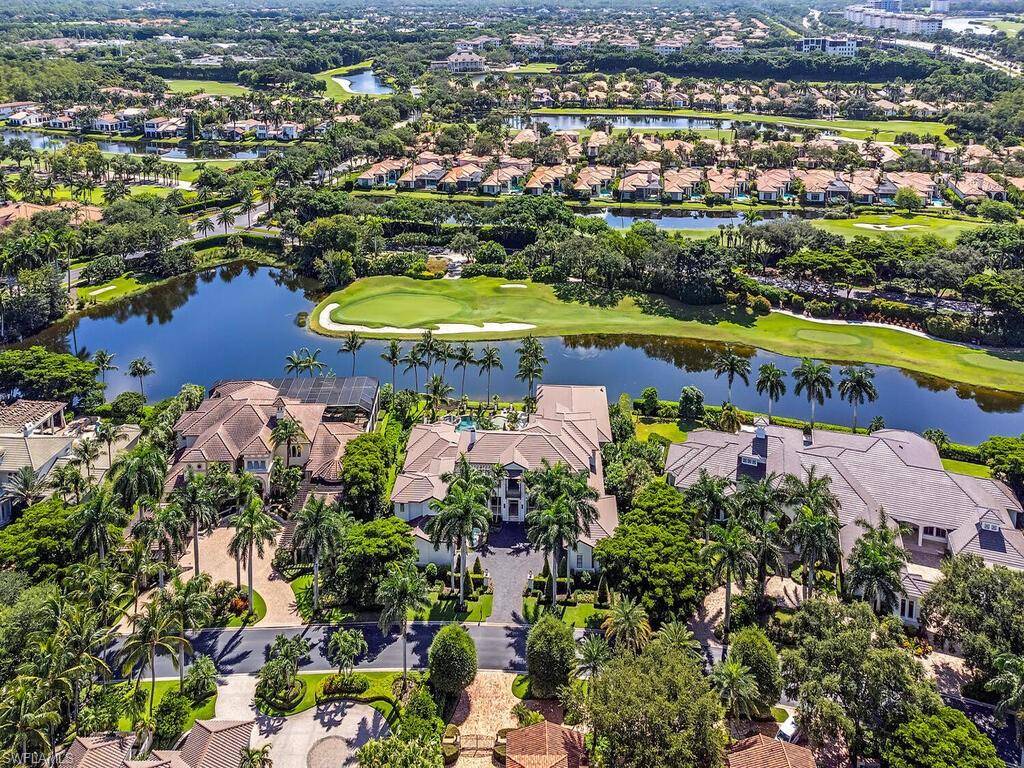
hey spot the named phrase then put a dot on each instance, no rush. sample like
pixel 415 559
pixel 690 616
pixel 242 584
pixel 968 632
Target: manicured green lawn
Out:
pixel 205 711
pixel 873 225
pixel 1011 28
pixel 212 87
pixel 581 616
pixel 667 429
pixel 408 303
pixel 62 193
pixel 117 288
pixel 378 695
pixel 521 686
pixel 190 170
pixel 855 129
pixel 259 606
pixel 967 468
pixel 334 90
pixel 535 68
pixel 445 610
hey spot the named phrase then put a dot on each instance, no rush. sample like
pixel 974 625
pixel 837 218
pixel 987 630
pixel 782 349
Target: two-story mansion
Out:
pixel 234 426
pixel 570 426
pixel 941 512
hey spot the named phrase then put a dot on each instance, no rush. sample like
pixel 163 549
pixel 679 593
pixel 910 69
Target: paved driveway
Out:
pixel 510 559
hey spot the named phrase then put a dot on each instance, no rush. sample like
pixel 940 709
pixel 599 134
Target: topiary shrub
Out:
pixel 759 305
pixel 420 720
pixel 550 656
pixel 345 684
pixel 752 648
pixel 171 715
pixel 452 660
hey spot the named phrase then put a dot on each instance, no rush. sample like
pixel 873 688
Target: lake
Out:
pixel 365 83
pixel 238 321
pixel 621 122
pixel 625 217
pixel 44 142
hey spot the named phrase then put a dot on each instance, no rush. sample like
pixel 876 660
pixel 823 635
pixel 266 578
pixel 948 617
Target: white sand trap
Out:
pixel 512 285
pixel 443 329
pixel 886 227
pixel 98 291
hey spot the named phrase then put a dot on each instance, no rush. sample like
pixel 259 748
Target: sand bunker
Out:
pixel 443 329
pixel 886 227
pixel 98 291
pixel 512 285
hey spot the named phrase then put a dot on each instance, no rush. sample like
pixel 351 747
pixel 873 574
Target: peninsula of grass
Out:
pixel 212 87
pixel 854 129
pixel 566 310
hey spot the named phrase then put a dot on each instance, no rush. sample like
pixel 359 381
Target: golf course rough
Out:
pixel 390 307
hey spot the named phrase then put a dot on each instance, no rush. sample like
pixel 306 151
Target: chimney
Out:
pixel 472 435
pixel 26 429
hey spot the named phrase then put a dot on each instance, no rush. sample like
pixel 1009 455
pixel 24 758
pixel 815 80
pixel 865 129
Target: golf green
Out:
pixel 829 337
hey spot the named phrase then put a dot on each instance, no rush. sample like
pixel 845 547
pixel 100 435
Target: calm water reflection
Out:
pixel 239 321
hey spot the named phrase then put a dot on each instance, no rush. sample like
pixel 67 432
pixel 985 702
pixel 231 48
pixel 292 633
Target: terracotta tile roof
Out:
pixel 545 745
pixel 100 751
pixel 761 752
pixel 15 415
pixel 216 743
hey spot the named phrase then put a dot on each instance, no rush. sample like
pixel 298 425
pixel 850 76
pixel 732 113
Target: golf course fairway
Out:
pixel 496 308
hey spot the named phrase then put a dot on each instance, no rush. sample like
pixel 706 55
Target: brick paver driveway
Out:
pixel 510 559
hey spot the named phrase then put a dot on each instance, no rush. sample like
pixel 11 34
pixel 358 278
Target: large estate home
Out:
pixel 233 426
pixel 209 744
pixel 940 512
pixel 570 426
pixel 34 434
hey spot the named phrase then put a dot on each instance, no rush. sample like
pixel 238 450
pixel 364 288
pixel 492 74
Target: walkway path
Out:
pixel 510 560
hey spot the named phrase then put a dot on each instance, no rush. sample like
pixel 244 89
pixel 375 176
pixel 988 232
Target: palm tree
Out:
pixel 732 365
pixel 437 392
pixel 66 480
pixel 729 419
pixel 814 379
pixel 737 688
pixel 1009 684
pixel 303 360
pixel 190 605
pixel 876 564
pixel 403 591
pixel 392 355
pixel 86 451
pixel 139 566
pixel 592 655
pixel 857 387
pixel 165 527
pixel 626 625
pixel 351 345
pixel 254 531
pixel 256 757
pixel 709 496
pixel 760 505
pixel 25 488
pixel 226 218
pixel 729 553
pixel 140 368
pixel 108 433
pixel 94 519
pixel 414 360
pixel 345 646
pixel 463 357
pixel 675 634
pixel 140 473
pixel 155 630
pixel 104 361
pixel 462 512
pixel 428 348
pixel 815 537
pixel 196 502
pixel 490 358
pixel 318 529
pixel 531 363
pixel 771 381
pixel 205 226
pixel 285 431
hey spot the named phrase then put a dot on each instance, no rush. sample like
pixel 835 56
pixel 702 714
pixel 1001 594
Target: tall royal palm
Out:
pixel 163 527
pixel 190 606
pixel 710 497
pixel 86 451
pixel 318 529
pixel 94 520
pixel 155 630
pixel 857 386
pixel 531 363
pixel 104 361
pixel 351 345
pixel 760 505
pixel 814 380
pixel 196 501
pixel 414 360
pixel 732 366
pixel 438 391
pixel 729 553
pixel 392 355
pixel 109 433
pixel 140 368
pixel 490 359
pixel 140 472
pixel 456 517
pixel 463 358
pixel 771 383
pixel 814 534
pixel 255 530
pixel 402 592
pixel 285 432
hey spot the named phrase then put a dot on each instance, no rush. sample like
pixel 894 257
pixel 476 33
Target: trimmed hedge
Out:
pixel 960 452
pixel 248 239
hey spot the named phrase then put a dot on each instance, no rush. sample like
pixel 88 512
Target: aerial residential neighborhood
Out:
pixel 575 385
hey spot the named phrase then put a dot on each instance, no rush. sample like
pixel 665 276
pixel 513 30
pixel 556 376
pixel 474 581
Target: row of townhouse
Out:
pixel 237 130
pixel 75 118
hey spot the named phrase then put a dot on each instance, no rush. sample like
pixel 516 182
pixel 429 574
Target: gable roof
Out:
pixel 544 745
